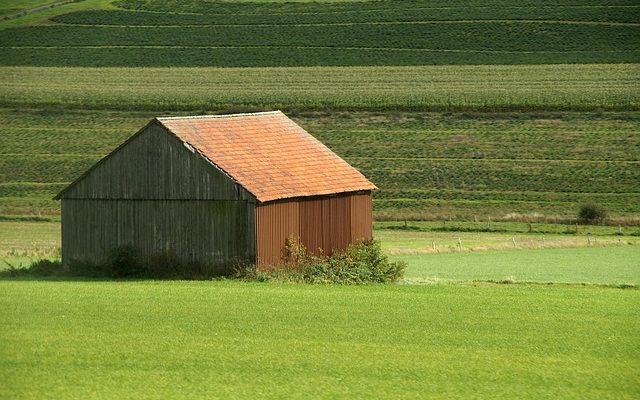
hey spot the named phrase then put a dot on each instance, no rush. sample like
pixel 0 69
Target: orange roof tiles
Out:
pixel 268 154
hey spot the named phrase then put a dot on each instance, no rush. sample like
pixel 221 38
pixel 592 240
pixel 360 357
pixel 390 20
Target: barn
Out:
pixel 219 190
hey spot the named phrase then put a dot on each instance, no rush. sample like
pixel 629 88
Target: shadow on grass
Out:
pixel 116 270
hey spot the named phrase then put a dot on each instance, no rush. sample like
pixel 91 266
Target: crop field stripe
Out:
pixel 510 160
pixel 389 37
pixel 305 47
pixel 457 21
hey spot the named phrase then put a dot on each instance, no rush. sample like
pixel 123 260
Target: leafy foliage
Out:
pixel 357 264
pixel 592 213
pixel 39 268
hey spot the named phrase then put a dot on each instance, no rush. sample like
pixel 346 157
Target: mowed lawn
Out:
pixel 618 265
pixel 70 340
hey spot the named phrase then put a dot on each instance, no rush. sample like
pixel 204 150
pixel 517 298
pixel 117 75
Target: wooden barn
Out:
pixel 220 190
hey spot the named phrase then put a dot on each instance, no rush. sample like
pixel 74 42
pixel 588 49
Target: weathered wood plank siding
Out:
pixel 218 233
pixel 322 224
pixel 158 195
pixel 156 165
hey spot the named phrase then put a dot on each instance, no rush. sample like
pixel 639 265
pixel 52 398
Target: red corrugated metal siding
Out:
pixel 361 217
pixel 275 222
pixel 322 224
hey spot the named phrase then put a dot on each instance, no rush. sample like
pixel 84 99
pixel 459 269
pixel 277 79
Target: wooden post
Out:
pixel 543 241
pixel 513 239
pixel 433 245
pixel 619 229
pixel 459 244
pixel 589 240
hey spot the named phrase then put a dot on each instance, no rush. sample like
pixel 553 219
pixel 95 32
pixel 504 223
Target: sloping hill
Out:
pixel 447 141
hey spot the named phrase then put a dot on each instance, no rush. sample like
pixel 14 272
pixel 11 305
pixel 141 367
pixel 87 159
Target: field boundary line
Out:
pixel 532 160
pixel 408 49
pixel 430 22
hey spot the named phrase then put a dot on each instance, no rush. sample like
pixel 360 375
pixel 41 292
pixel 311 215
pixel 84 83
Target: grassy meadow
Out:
pixel 150 340
pixel 618 265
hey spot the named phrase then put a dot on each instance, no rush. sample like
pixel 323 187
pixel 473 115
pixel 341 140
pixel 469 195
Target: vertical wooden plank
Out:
pixel 155 164
pixel 212 232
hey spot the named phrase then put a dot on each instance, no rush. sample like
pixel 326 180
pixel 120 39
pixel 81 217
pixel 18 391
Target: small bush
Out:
pixel 592 213
pixel 39 268
pixel 125 262
pixel 357 264
pixel 86 269
pixel 46 268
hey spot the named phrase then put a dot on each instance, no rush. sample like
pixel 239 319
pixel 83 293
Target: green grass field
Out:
pixel 69 340
pixel 595 265
pixel 238 34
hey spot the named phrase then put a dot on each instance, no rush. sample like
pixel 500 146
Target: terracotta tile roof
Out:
pixel 268 154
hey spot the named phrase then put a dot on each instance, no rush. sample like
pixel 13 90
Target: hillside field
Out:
pixel 431 165
pixel 260 34
pixel 457 141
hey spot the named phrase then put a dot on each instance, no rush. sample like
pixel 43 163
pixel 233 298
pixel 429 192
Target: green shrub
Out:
pixel 39 268
pixel 357 264
pixel 125 262
pixel 46 268
pixel 86 269
pixel 592 213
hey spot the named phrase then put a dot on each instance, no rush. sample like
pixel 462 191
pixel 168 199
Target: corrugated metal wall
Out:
pixel 322 224
pixel 157 195
pixel 362 214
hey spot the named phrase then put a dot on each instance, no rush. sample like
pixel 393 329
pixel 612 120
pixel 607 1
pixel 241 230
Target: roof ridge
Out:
pixel 220 115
